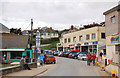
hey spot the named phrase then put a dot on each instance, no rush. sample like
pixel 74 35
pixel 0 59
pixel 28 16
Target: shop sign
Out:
pixel 114 39
pixel 91 43
pixel 71 45
pixel 37 41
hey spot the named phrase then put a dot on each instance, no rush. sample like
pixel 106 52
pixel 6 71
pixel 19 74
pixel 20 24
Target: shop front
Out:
pixel 15 54
pixel 72 46
pixel 90 47
pixel 112 48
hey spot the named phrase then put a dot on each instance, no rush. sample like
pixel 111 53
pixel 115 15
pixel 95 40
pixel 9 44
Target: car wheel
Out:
pixel 54 62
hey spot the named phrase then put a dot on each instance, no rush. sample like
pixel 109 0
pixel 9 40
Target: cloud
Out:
pixel 53 13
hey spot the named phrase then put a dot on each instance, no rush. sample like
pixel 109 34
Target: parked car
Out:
pixel 50 59
pixel 66 54
pixel 55 53
pixel 82 57
pixel 73 52
pixel 63 54
pixel 60 53
pixel 75 56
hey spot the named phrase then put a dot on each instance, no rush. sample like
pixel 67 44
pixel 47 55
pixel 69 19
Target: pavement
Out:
pixel 63 67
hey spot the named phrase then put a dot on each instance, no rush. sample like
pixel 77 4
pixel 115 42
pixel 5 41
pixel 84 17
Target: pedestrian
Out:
pixel 24 63
pixel 88 58
pixel 93 58
pixel 101 54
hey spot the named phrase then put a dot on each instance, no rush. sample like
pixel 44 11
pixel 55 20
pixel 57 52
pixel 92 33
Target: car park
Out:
pixel 50 59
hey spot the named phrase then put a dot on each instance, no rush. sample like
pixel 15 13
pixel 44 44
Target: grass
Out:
pixel 6 65
pixel 53 44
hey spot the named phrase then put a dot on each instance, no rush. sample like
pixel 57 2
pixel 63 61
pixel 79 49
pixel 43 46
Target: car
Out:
pixel 50 59
pixel 75 56
pixel 55 53
pixel 60 53
pixel 63 54
pixel 73 52
pixel 67 54
pixel 82 57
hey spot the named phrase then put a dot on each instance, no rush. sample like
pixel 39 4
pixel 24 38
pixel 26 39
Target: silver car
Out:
pixel 82 57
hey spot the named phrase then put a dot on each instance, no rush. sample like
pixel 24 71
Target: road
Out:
pixel 73 67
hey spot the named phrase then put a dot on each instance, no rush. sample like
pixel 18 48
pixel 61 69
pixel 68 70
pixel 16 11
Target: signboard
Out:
pixel 114 39
pixel 37 41
pixel 39 58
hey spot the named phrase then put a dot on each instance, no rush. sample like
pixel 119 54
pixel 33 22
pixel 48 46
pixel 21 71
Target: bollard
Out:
pixel 113 74
pixel 103 68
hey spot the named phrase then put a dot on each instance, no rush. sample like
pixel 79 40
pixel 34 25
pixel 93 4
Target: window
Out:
pixel 113 19
pixel 80 38
pixel 68 39
pixel 53 34
pixel 16 55
pixel 87 37
pixel 48 33
pixel 65 41
pixel 74 39
pixel 103 35
pixel 93 36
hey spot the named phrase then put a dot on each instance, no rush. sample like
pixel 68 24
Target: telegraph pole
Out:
pixel 31 33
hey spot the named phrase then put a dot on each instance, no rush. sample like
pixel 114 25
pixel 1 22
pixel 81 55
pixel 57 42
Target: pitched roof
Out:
pixel 10 40
pixel 113 9
pixel 3 27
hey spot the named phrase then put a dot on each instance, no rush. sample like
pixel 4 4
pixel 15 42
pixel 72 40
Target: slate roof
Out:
pixel 10 40
pixel 3 27
pixel 113 9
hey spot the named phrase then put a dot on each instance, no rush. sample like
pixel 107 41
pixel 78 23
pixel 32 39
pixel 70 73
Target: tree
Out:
pixel 16 31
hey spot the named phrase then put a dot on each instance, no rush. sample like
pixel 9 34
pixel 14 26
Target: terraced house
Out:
pixel 90 40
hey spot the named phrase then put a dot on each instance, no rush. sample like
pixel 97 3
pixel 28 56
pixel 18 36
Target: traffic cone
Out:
pixel 95 62
pixel 103 68
pixel 113 74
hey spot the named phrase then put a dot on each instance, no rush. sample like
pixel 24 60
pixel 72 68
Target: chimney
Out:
pixel 71 27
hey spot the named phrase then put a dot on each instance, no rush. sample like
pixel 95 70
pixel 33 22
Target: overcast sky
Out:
pixel 59 14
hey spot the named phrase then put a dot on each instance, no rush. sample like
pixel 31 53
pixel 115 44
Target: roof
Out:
pixel 3 27
pixel 113 9
pixel 10 40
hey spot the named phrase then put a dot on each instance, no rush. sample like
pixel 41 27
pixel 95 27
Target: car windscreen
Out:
pixel 50 56
pixel 74 51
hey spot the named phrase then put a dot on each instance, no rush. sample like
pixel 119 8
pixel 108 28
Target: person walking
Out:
pixel 88 58
pixel 93 58
pixel 24 63
pixel 101 54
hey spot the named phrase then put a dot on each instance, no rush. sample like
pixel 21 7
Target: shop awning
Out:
pixel 12 49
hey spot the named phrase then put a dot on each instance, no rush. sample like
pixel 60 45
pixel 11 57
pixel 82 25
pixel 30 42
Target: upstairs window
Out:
pixel 102 35
pixel 87 37
pixel 113 19
pixel 80 38
pixel 74 39
pixel 93 35
pixel 68 39
pixel 65 41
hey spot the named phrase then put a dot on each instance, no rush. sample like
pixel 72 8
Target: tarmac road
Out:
pixel 73 67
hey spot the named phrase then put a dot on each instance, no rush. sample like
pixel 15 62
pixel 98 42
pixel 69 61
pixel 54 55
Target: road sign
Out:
pixel 37 41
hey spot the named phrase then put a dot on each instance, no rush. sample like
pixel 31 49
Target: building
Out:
pixel 14 47
pixel 112 18
pixel 90 40
pixel 4 29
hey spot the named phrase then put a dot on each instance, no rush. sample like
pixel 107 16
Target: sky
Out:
pixel 58 14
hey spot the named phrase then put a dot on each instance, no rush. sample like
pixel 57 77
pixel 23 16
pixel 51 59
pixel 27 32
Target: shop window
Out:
pixel 16 55
pixel 68 39
pixel 74 39
pixel 93 35
pixel 87 37
pixel 65 41
pixel 80 38
pixel 113 19
pixel 102 35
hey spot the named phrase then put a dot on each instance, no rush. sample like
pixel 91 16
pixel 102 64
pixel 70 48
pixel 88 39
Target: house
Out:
pixel 112 22
pixel 14 47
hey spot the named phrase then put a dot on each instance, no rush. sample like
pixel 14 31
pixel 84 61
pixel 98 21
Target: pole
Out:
pixel 31 33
